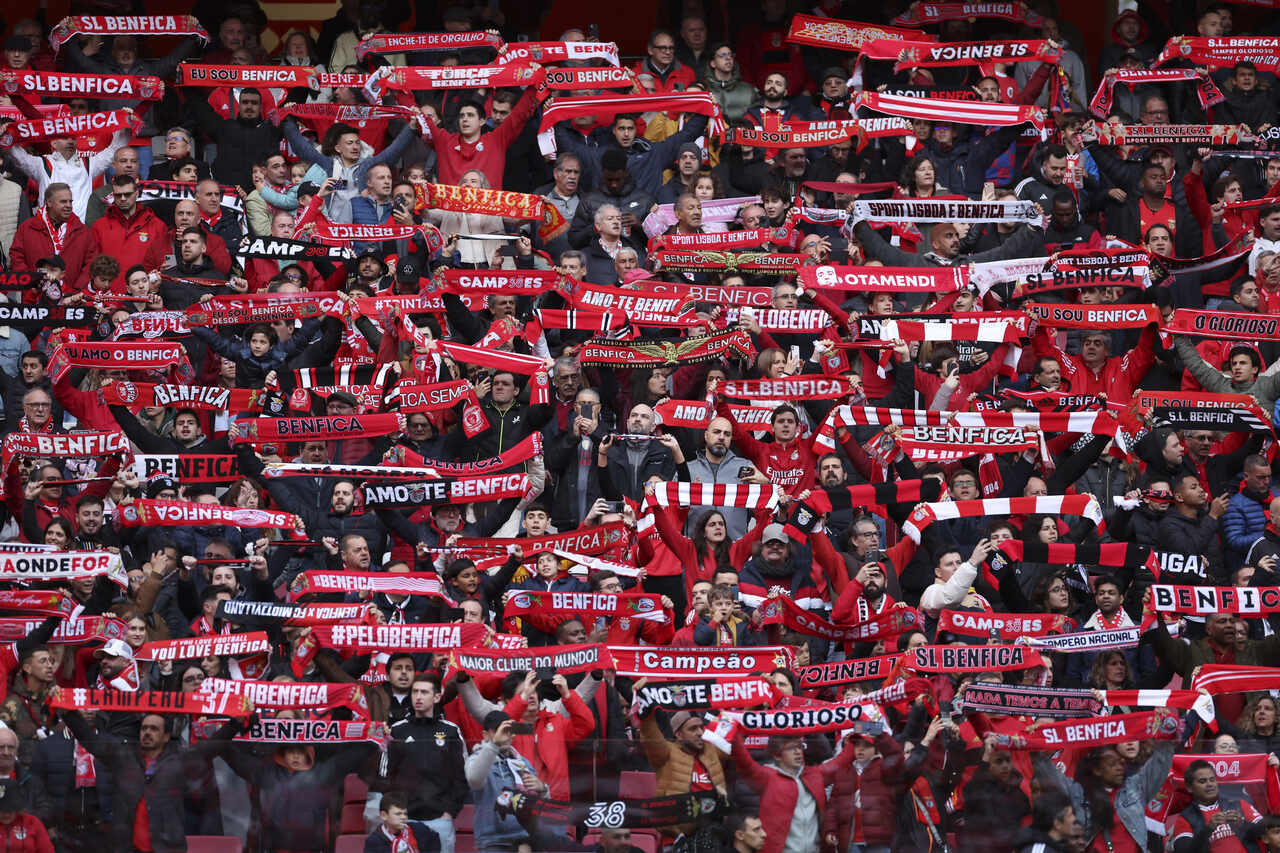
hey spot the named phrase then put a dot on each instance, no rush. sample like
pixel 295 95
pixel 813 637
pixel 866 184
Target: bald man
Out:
pixel 717 463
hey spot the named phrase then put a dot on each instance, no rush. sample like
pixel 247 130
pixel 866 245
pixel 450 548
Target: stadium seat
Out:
pixel 352 819
pixel 640 839
pixel 466 819
pixel 465 843
pixel 354 789
pixel 349 844
pixel 637 784
pixel 214 844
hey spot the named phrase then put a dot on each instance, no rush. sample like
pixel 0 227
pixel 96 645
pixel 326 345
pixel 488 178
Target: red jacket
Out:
pixel 488 153
pixel 548 747
pixel 792 465
pixel 25 835
pixel 141 239
pixel 877 791
pixel 928 382
pixel 1119 374
pixel 677 78
pixel 31 243
pixel 778 793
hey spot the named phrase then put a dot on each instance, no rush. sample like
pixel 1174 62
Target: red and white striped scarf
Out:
pixel 926 514
pixel 753 496
pixel 943 109
pixel 842 417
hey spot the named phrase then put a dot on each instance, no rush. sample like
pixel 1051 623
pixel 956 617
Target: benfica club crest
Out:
pixel 6 140
pixel 147 88
pixel 535 52
pixel 129 512
pixel 10 82
pixel 772 609
pixel 440 739
pixel 919 514
pixel 522 599
pixel 128 392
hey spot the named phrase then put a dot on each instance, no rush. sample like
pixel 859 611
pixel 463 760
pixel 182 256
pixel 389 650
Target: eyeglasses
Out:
pixel 664 47
pixel 868 534
pixel 37 405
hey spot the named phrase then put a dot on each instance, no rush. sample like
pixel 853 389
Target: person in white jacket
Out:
pixel 66 165
pixel 953 580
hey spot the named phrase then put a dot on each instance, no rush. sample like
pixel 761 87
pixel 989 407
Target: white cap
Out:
pixel 115 648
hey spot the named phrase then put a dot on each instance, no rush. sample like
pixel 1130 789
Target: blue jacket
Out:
pixel 645 166
pixel 366 211
pixel 1244 522
pixel 489 773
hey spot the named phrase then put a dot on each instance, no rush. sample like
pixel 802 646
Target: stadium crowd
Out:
pixel 829 431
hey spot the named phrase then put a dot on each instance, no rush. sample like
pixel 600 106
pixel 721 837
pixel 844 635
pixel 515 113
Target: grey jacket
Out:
pixel 1265 389
pixel 701 471
pixel 1132 798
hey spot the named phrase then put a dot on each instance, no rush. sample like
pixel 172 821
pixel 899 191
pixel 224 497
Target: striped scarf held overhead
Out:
pixel 928 513
pixel 753 496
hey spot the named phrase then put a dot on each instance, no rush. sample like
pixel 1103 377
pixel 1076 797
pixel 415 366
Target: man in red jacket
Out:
pixel 792 796
pixel 55 229
pixel 130 232
pixel 471 148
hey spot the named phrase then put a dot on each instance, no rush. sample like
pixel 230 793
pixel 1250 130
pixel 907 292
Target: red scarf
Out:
pixel 57 236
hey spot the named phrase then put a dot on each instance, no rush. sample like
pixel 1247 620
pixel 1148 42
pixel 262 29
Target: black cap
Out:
pixel 158 482
pixel 18 43
pixel 52 261
pixel 408 273
pixel 307 188
pixel 493 719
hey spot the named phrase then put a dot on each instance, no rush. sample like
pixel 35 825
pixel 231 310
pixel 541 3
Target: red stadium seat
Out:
pixel 466 819
pixel 352 819
pixel 214 844
pixel 465 843
pixel 354 789
pixel 349 844
pixel 637 784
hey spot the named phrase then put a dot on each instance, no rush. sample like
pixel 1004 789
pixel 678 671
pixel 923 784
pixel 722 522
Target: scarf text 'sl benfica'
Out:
pixel 592 541
pixel 846 671
pixel 972 658
pixel 1207 600
pixel 1158 724
pixel 136 25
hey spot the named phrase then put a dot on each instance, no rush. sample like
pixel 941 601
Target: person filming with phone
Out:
pixel 494 766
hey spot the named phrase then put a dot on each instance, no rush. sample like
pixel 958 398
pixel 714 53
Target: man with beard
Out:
pixel 774 107
pixel 864 598
pixel 630 462
pixel 186 214
pixel 788 565
pixel 242 140
pixel 187 436
pixel 717 463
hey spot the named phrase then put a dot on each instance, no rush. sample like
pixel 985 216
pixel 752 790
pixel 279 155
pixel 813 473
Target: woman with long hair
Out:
pixel 1109 798
pixel 1258 728
pixel 708 548
pixel 919 179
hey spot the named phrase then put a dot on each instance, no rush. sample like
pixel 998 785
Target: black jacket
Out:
pixel 630 480
pixel 295 805
pixel 241 142
pixel 427 758
pixel 1194 536
pixel 162 785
